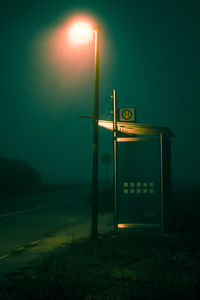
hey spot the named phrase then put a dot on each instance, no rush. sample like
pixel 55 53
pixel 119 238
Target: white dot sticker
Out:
pixel 125 184
pixel 132 191
pixel 125 191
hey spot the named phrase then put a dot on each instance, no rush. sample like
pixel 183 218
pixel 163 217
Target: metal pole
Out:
pixel 106 173
pixel 94 225
pixel 161 185
pixel 115 161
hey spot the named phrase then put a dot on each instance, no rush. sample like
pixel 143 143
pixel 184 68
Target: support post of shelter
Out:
pixel 114 97
pixel 161 185
pixel 165 153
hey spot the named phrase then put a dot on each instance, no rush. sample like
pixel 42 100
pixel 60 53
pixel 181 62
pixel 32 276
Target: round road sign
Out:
pixel 106 158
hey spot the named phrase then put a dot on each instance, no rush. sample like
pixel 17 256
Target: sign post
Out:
pixel 115 161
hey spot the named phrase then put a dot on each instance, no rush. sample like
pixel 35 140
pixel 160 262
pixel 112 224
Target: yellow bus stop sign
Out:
pixel 127 114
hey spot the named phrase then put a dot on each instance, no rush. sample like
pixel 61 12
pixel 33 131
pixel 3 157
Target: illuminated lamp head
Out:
pixel 81 32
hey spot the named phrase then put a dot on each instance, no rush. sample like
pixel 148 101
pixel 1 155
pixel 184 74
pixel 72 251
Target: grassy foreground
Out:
pixel 135 265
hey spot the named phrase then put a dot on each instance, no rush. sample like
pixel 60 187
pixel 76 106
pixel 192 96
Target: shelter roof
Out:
pixel 135 128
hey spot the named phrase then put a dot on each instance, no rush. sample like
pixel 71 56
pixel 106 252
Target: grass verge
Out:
pixel 135 265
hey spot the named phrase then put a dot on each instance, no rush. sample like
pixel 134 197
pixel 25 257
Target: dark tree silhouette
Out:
pixel 17 177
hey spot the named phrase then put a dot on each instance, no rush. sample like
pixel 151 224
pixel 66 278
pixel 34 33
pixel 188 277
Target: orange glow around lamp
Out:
pixel 82 32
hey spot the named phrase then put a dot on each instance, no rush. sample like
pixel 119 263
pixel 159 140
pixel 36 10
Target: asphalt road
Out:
pixel 26 220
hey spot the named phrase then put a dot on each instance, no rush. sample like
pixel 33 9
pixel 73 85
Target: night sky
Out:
pixel 149 53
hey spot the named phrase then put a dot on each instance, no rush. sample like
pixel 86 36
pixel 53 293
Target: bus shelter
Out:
pixel 142 174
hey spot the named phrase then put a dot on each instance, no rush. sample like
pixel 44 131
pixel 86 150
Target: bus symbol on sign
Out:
pixel 127 114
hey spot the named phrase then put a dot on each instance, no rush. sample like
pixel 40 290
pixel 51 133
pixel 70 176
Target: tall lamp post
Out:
pixel 83 30
pixel 94 225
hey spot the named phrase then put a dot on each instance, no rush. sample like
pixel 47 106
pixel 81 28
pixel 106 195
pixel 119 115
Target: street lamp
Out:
pixel 81 32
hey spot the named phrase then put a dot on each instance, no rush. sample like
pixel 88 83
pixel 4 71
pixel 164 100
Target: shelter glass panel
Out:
pixel 139 182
